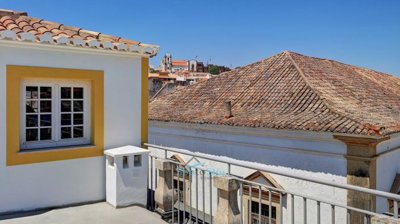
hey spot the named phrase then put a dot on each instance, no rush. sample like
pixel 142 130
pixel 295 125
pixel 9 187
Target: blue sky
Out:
pixel 234 33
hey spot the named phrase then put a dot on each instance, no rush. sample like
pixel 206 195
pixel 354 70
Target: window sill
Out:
pixel 57 149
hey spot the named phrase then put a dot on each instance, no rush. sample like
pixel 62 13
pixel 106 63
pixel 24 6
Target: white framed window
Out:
pixel 264 213
pixel 54 113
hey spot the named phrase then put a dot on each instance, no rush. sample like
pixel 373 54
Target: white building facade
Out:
pixel 317 155
pixel 53 136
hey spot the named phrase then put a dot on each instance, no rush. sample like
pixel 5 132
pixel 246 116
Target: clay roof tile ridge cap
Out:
pixel 324 100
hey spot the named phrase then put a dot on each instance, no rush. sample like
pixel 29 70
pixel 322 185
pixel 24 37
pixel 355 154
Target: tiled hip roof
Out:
pixel 291 91
pixel 179 63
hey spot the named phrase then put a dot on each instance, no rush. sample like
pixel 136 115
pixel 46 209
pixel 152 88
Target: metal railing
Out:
pixel 191 206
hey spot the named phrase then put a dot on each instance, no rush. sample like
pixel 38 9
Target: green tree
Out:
pixel 214 70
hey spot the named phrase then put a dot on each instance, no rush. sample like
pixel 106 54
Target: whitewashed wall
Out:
pixel 388 165
pixel 80 180
pixel 308 151
pixel 312 154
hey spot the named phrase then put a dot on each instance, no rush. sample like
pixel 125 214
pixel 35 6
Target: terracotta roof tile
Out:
pixel 43 30
pixel 28 28
pixel 5 18
pixel 22 23
pixel 37 25
pixel 19 22
pixel 179 63
pixel 291 91
pixel 10 26
pixel 8 22
pixel 17 30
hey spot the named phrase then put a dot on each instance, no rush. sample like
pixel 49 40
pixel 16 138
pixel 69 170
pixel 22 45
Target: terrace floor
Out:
pixel 98 213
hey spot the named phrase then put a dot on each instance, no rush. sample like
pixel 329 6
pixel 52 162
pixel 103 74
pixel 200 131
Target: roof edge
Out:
pixel 78 42
pixel 24 44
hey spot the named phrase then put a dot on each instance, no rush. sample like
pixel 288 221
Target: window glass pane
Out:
pixel 264 209
pixel 45 106
pixel 31 134
pixel 137 161
pixel 78 119
pixel 31 92
pixel 66 133
pixel 32 106
pixel 39 117
pixel 65 93
pixel 78 132
pixel 45 120
pixel 65 106
pixel 31 120
pixel 78 106
pixel 65 119
pixel 45 92
pixel 254 207
pixel 45 134
pixel 125 163
pixel 78 93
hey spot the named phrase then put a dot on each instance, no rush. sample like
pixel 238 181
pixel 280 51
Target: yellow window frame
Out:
pixel 15 74
pixel 144 102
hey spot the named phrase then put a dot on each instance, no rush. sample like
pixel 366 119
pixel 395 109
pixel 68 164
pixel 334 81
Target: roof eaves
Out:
pixel 144 49
pixel 49 45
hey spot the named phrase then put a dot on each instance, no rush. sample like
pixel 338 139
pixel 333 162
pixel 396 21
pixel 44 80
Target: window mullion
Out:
pixel 24 113
pixel 56 113
pixel 57 93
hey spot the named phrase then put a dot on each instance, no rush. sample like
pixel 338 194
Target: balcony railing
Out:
pixel 264 219
pixel 198 199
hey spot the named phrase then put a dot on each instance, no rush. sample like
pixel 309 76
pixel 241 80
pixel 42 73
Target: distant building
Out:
pixel 164 82
pixel 196 66
pixel 169 65
pixel 175 73
pixel 179 65
pixel 166 63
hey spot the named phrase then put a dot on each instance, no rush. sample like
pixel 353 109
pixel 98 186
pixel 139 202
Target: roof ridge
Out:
pixel 324 100
pixel 358 71
pixel 12 13
pixel 287 53
pixel 340 62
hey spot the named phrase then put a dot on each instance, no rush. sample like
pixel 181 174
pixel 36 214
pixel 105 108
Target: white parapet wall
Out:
pixel 318 152
pixel 315 155
pixel 327 193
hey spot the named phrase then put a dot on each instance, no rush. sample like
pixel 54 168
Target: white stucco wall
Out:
pixel 47 184
pixel 312 154
pixel 388 165
pixel 308 151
